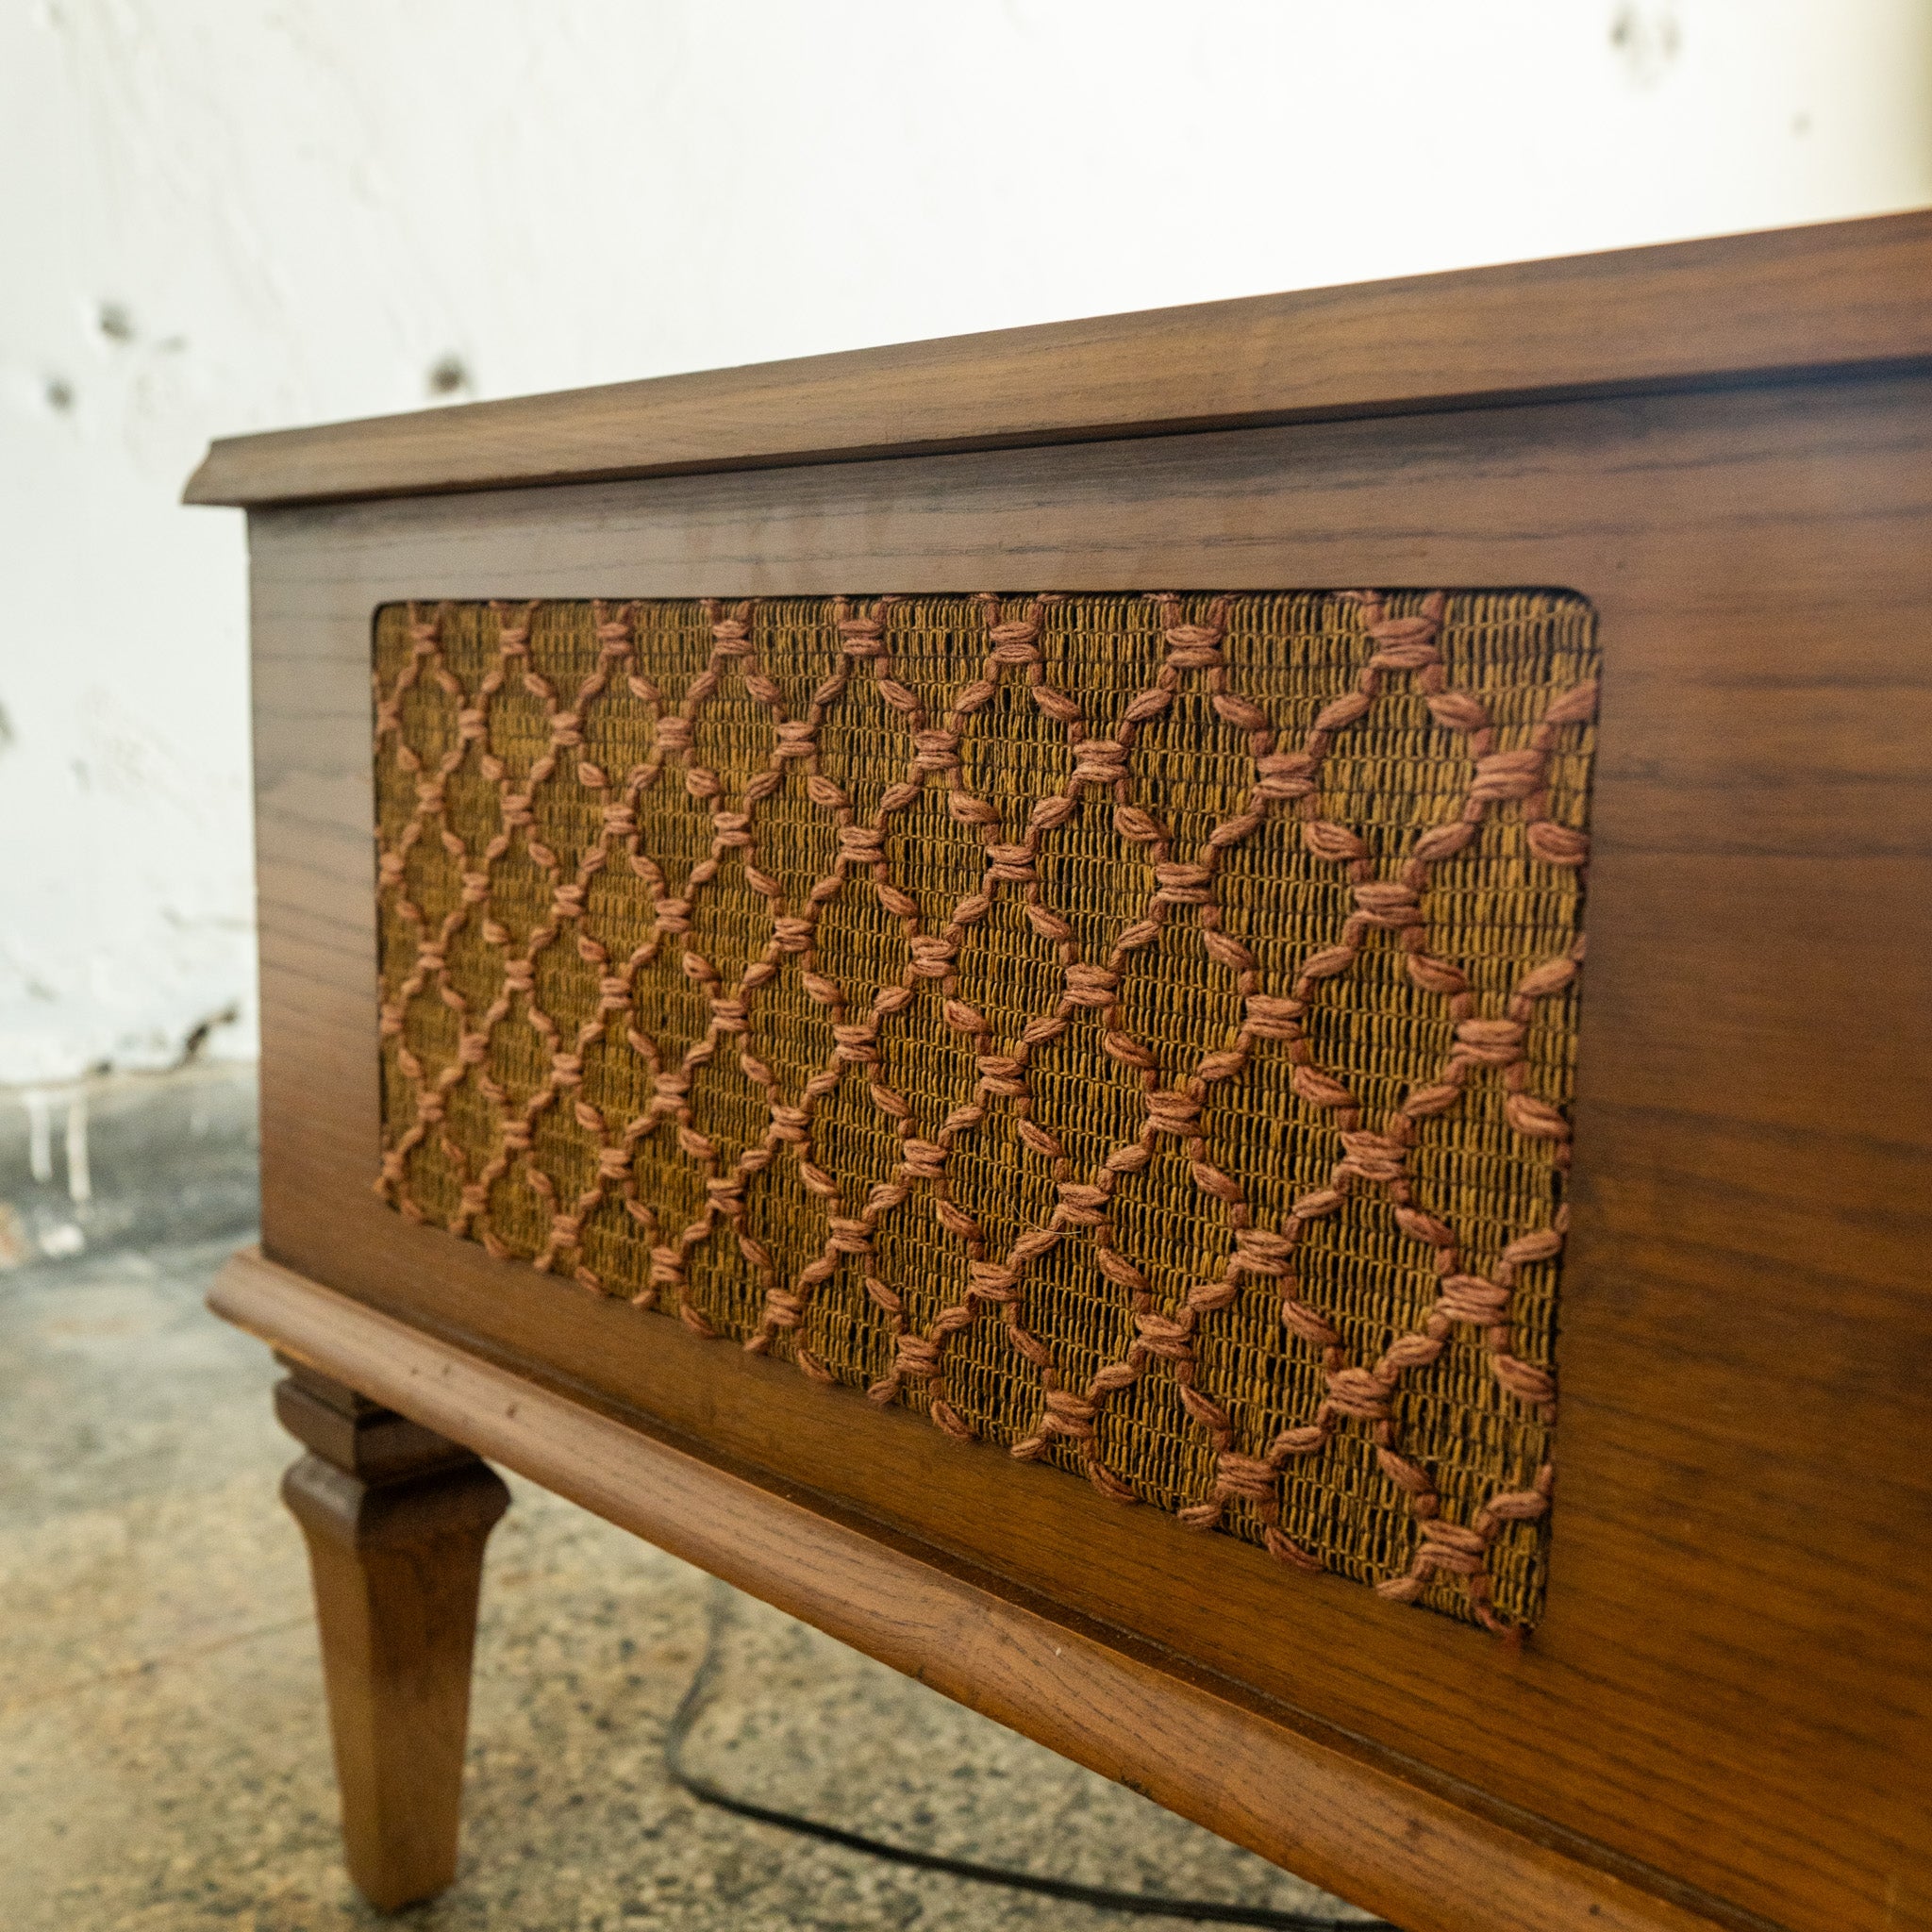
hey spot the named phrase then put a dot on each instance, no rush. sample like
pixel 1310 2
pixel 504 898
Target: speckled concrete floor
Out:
pixel 163 1763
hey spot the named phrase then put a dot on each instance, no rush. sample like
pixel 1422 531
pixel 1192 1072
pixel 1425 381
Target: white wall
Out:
pixel 223 215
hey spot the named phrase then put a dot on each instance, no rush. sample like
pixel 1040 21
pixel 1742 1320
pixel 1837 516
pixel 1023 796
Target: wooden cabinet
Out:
pixel 1701 1694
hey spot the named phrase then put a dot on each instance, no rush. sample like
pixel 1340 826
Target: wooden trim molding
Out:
pixel 1691 314
pixel 1316 1804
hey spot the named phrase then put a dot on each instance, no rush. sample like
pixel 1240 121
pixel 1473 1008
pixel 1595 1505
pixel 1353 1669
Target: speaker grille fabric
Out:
pixel 1134 1031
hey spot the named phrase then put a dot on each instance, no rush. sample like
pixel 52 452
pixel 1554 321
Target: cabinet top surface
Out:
pixel 1837 296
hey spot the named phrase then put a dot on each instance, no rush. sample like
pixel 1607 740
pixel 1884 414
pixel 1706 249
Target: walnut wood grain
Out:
pixel 1729 1686
pixel 1309 1801
pixel 1741 308
pixel 396 1518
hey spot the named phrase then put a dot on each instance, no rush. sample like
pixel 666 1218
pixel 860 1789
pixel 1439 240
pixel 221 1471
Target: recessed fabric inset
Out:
pixel 1135 1031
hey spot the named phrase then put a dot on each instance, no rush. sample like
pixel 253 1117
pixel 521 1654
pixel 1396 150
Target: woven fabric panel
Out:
pixel 1134 1031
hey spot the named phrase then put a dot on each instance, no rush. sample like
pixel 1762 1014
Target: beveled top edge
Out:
pixel 1786 302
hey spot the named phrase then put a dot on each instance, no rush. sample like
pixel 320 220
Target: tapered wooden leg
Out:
pixel 396 1518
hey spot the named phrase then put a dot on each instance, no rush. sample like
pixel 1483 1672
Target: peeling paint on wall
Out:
pixel 118 1160
pixel 1648 41
pixel 232 214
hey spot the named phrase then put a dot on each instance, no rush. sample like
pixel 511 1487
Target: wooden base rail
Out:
pixel 1354 1826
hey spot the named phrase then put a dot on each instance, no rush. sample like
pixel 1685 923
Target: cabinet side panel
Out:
pixel 1728 1682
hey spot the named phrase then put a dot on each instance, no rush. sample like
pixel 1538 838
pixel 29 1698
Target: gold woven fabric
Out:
pixel 1137 1032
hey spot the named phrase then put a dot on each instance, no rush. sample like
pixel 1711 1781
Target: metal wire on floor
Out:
pixel 696 1699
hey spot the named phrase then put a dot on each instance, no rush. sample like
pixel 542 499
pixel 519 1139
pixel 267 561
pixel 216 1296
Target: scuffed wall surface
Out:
pixel 229 214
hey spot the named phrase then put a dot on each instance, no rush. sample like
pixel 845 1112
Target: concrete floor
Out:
pixel 163 1762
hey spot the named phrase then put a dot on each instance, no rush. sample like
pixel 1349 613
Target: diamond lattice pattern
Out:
pixel 1134 1031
